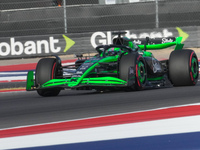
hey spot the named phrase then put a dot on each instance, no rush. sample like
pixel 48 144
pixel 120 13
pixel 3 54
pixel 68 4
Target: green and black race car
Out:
pixel 121 65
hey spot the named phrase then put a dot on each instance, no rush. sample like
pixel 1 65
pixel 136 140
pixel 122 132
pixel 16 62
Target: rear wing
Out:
pixel 159 43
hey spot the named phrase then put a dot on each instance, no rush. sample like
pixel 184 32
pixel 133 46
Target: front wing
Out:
pixel 72 83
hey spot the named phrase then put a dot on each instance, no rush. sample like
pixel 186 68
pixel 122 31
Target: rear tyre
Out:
pixel 136 63
pixel 183 68
pixel 45 71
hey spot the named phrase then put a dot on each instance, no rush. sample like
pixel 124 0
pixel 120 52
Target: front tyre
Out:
pixel 45 71
pixel 132 68
pixel 183 68
pixel 141 73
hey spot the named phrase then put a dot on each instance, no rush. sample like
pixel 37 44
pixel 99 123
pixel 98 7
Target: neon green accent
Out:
pixel 69 43
pixel 157 46
pixel 179 46
pixel 155 79
pixel 79 79
pixel 55 82
pixel 147 54
pixel 194 70
pixel 130 44
pixel 104 81
pixel 182 34
pixel 110 59
pixel 29 81
pixel 179 40
pixel 74 81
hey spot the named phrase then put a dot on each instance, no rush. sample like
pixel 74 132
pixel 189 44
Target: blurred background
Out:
pixel 81 18
pixel 36 17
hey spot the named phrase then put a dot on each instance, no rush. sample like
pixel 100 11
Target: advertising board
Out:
pixel 65 44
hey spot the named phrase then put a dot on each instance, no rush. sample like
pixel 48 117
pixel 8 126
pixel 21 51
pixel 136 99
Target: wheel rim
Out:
pixel 141 72
pixel 194 68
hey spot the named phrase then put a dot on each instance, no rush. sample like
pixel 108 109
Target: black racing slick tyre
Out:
pixel 137 64
pixel 45 71
pixel 183 68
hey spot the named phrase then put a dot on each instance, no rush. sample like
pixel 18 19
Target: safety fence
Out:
pixel 22 18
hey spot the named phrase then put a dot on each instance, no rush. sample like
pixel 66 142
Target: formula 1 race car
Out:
pixel 121 65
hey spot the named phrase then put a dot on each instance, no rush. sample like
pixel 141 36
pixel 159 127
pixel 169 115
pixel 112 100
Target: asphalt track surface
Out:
pixel 28 108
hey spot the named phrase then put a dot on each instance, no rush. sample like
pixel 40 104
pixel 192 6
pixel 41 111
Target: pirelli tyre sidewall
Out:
pixel 141 73
pixel 45 71
pixel 135 62
pixel 183 68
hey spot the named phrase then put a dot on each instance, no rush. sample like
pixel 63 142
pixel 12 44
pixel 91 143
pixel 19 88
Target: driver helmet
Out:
pixel 113 51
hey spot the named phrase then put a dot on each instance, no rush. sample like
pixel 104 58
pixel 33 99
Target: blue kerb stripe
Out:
pixel 186 141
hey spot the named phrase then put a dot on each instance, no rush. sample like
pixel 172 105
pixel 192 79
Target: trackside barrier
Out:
pixel 78 43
